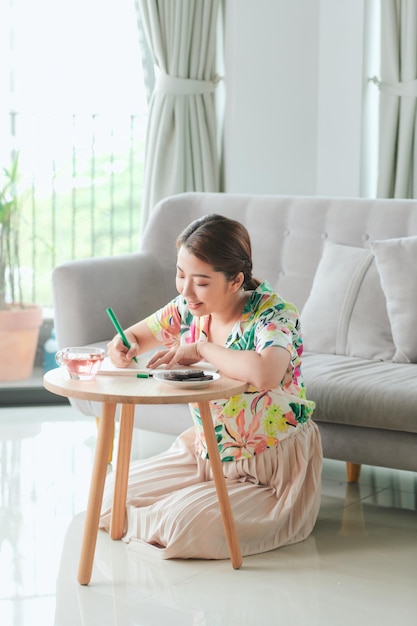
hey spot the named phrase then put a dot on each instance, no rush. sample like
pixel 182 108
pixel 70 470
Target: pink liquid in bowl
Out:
pixel 82 364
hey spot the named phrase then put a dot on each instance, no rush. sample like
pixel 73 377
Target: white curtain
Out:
pixel 181 149
pixel 397 177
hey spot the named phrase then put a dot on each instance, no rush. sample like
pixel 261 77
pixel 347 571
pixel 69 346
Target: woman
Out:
pixel 270 447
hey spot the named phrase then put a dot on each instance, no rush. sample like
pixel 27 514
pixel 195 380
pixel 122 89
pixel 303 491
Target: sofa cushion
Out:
pixel 359 392
pixel 346 310
pixel 346 390
pixel 396 260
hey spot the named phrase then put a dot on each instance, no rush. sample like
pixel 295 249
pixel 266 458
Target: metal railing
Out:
pixel 81 181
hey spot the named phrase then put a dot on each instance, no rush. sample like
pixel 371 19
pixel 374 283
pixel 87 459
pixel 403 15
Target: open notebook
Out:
pixel 108 369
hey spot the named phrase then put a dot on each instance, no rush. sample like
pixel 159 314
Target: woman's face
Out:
pixel 205 290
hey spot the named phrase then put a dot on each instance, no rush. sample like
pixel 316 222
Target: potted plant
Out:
pixel 19 322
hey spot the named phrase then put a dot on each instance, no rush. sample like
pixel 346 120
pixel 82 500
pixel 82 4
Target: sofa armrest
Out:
pixel 133 285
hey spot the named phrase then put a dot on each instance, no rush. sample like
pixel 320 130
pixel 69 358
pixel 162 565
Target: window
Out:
pixel 73 104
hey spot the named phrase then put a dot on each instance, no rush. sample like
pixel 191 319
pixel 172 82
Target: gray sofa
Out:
pixel 350 267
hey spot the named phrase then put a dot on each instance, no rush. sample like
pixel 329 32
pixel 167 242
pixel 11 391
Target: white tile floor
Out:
pixel 359 566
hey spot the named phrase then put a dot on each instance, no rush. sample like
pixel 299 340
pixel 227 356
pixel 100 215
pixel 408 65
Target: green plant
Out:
pixel 10 207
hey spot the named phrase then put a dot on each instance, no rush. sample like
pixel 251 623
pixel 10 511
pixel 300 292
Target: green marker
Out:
pixel 119 329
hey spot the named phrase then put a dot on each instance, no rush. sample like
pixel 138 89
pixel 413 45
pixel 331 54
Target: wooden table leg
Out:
pixel 104 442
pixel 353 471
pixel 122 471
pixel 220 483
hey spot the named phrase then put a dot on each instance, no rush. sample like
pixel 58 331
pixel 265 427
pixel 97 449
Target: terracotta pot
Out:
pixel 19 334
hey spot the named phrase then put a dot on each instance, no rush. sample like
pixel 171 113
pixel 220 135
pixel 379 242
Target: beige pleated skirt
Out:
pixel 172 509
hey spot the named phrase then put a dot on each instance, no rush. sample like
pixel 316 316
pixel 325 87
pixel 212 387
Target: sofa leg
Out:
pixel 112 445
pixel 353 471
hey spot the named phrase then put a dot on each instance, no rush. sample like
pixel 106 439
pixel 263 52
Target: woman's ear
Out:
pixel 238 281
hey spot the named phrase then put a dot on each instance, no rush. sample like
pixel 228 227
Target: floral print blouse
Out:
pixel 258 419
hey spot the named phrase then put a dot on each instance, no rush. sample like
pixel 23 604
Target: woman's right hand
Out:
pixel 119 354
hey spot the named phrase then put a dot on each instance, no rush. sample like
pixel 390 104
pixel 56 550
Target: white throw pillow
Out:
pixel 346 311
pixel 396 260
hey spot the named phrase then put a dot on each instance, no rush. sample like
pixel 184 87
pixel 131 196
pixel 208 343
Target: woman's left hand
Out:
pixel 177 355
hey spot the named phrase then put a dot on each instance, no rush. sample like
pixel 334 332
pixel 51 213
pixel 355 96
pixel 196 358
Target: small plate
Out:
pixel 185 384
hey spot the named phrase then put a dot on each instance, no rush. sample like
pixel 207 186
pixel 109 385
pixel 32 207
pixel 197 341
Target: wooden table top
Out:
pixel 132 390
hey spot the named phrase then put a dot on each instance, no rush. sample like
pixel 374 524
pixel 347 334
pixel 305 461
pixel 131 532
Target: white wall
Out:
pixel 294 84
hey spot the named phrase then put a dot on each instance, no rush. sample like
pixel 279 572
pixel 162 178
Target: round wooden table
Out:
pixel 129 391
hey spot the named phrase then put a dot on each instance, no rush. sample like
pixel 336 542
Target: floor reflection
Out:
pixel 126 584
pixel 359 566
